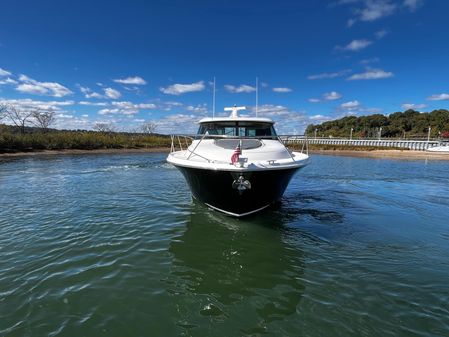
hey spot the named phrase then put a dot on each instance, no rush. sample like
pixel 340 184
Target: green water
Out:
pixel 111 245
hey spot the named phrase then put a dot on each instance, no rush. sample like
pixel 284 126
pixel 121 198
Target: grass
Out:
pixel 35 140
pixel 79 140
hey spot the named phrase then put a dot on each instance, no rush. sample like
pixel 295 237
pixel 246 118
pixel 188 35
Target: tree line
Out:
pixel 405 125
pixel 28 130
pixel 44 118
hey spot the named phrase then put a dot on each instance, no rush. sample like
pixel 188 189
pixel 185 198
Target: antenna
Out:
pixel 257 94
pixel 213 101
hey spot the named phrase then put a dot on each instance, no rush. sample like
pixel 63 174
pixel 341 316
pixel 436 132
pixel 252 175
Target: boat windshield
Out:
pixel 238 129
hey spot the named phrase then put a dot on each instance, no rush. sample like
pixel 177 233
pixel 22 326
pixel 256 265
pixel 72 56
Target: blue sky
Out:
pixel 135 61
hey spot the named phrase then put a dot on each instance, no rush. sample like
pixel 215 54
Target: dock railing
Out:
pixel 417 145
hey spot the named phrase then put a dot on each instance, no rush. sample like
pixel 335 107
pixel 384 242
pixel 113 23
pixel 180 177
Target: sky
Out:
pixel 129 62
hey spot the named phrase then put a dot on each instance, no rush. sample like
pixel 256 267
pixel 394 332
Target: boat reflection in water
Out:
pixel 238 273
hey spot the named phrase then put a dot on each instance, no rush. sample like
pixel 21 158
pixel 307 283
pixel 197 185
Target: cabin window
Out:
pixel 238 129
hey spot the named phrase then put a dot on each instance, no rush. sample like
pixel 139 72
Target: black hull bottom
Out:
pixel 235 193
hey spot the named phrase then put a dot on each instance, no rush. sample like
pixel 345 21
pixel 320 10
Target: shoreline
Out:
pixel 83 152
pixel 380 154
pixel 385 154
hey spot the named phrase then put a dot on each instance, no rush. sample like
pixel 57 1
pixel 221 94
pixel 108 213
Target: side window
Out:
pixel 251 132
pixel 229 131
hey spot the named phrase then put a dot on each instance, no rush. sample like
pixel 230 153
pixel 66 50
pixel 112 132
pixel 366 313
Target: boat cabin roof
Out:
pixel 236 119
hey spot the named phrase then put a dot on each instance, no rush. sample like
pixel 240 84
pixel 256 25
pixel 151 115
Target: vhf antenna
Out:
pixel 213 101
pixel 257 95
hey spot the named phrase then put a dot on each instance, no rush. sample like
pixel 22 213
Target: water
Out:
pixel 111 245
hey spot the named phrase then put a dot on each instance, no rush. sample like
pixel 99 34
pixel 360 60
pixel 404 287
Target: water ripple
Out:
pixel 113 245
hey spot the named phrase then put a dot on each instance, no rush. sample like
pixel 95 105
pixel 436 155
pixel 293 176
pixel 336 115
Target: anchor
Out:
pixel 241 184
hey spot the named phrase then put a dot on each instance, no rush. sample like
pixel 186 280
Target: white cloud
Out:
pixel 184 120
pixel 287 121
pixel 380 33
pixel 407 106
pixel 108 111
pixel 371 74
pixel 373 10
pixel 88 93
pixel 327 96
pixel 8 80
pixel 130 105
pixel 355 45
pixel 172 103
pixel 371 60
pixel 4 72
pixel 412 5
pixel 314 100
pixel 126 108
pixel 179 89
pixel 282 90
pixel 64 119
pixel 32 89
pixel 94 94
pixel 169 105
pixel 331 96
pixel 93 103
pixel 136 80
pixel 376 9
pixel 244 88
pixel 343 2
pixel 351 22
pixel 112 93
pixel 350 105
pixel 27 104
pixel 270 110
pixel 61 115
pixel 370 10
pixel 71 122
pixel 200 108
pixel 178 123
pixel 355 107
pixel 30 86
pixel 108 93
pixel 329 75
pixel 439 97
pixel 371 110
pixel 319 117
pixel 146 106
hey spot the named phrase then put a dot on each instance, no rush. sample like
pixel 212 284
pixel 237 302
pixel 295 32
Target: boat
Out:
pixel 237 165
pixel 442 147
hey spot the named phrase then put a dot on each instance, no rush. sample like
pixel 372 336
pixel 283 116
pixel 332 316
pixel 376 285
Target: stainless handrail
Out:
pixel 177 139
pixel 305 145
pixel 191 152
